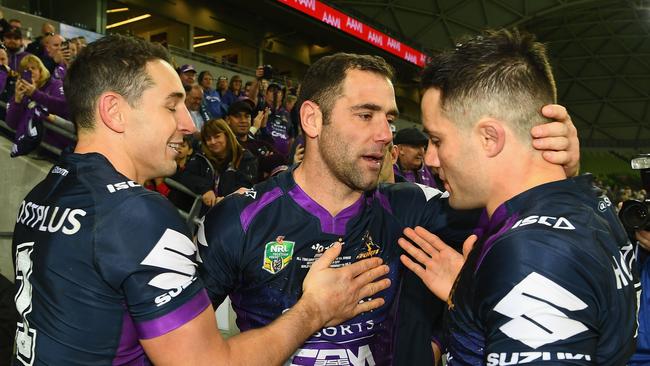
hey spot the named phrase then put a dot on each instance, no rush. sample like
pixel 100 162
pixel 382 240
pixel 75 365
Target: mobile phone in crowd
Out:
pixel 26 75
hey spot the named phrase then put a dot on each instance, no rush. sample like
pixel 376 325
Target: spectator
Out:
pixel 15 23
pixel 37 47
pixel 53 57
pixel 185 152
pixel 187 74
pixel 4 78
pixel 13 41
pixel 279 124
pixel 212 101
pixel 193 101
pixel 253 138
pixel 234 91
pixel 411 144
pixel 247 89
pixel 222 86
pixel 33 103
pixel 4 25
pixel 222 167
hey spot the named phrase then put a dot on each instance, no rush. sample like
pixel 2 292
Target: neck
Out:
pixel 243 138
pixel 118 157
pixel 318 182
pixel 516 176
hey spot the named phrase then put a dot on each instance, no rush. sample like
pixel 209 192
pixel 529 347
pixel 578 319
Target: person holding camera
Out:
pixel 37 97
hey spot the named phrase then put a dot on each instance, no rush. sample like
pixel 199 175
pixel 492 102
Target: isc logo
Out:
pixel 554 222
pixel 121 185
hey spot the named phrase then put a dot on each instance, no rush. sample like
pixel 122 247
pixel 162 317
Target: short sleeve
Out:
pixel 143 251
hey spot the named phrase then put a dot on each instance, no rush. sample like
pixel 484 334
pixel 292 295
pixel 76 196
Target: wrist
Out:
pixel 253 129
pixel 308 309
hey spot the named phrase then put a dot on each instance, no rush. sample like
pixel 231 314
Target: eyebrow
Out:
pixel 375 108
pixel 176 95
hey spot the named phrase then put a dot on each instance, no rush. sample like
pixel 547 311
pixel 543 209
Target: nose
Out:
pixel 431 156
pixel 184 122
pixel 384 134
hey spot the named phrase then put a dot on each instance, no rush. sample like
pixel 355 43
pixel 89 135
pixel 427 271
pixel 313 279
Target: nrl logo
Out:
pixel 277 255
pixel 369 248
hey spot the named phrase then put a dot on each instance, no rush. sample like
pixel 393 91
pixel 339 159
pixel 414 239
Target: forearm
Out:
pixel 286 334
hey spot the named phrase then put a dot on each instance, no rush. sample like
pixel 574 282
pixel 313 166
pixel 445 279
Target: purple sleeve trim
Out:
pixel 439 344
pixel 170 321
pixel 249 213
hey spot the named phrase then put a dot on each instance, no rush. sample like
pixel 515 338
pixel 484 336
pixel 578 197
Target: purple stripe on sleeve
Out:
pixel 249 213
pixel 168 322
pixel 328 224
pixel 502 220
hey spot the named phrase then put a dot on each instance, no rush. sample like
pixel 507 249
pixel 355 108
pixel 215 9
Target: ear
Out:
pixel 311 119
pixel 492 135
pixel 111 111
pixel 393 154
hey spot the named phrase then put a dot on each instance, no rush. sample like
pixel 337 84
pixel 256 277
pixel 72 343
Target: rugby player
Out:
pixel 106 271
pixel 258 247
pixel 550 280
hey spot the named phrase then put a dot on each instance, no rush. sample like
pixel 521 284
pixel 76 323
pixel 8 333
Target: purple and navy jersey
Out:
pixel 258 247
pixel 101 262
pixel 551 281
pixel 281 129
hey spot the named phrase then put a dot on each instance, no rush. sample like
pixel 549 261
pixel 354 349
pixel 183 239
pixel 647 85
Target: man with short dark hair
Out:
pixel 106 270
pixel 13 41
pixel 254 138
pixel 550 279
pixel 411 144
pixel 278 229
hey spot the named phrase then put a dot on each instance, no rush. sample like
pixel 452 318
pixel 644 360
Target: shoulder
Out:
pixel 407 194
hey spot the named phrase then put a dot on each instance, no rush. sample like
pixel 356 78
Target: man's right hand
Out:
pixel 336 293
pixel 643 236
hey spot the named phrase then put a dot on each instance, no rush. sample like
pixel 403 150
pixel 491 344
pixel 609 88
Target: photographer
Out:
pixel 37 96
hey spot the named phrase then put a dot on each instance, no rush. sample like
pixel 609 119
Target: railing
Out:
pixel 66 128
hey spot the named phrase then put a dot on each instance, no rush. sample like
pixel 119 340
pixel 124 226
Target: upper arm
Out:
pixel 196 342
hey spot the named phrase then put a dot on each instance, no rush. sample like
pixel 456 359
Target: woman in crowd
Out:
pixel 234 90
pixel 222 167
pixel 36 99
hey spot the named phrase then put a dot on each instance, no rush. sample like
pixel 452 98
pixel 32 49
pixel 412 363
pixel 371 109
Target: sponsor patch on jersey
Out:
pixel 277 255
pixel 368 247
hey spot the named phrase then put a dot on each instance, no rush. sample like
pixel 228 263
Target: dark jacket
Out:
pixel 200 176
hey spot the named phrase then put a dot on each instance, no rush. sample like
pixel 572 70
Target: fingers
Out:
pixel 367 277
pixel 555 112
pixel 557 157
pixel 414 267
pixel 368 305
pixel 370 289
pixel 413 251
pixel 643 236
pixel 327 258
pixel 555 143
pixel 431 239
pixel 469 244
pixel 359 267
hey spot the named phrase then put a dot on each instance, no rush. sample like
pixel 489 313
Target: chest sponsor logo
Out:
pixel 518 358
pixel 337 356
pixel 534 306
pixel 368 247
pixel 277 255
pixel 554 222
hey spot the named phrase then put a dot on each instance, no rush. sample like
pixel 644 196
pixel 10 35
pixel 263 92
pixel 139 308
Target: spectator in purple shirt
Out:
pixel 38 96
pixel 411 144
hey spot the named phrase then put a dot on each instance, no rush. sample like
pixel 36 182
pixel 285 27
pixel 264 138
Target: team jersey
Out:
pixel 551 281
pixel 258 247
pixel 101 262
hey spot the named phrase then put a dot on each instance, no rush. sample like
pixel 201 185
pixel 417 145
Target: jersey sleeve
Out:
pixel 220 240
pixel 538 301
pixel 143 251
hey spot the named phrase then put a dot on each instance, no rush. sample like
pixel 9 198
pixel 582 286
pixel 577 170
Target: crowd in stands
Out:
pixel 245 132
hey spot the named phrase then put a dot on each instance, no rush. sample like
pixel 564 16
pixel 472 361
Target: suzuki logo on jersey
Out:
pixel 338 356
pixel 277 255
pixel 368 247
pixel 172 252
pixel 50 218
pixel 534 306
pixel 554 222
pixel 121 185
pixel 517 358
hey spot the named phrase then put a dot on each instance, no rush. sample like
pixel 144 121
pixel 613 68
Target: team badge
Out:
pixel 277 255
pixel 368 247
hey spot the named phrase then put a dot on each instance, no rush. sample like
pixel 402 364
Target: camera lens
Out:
pixel 634 214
